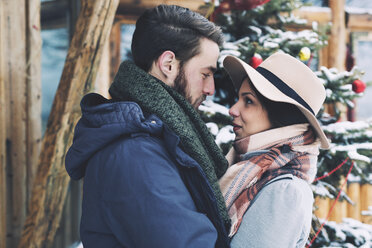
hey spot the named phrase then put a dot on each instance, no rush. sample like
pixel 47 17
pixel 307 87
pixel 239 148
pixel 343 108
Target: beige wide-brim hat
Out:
pixel 283 78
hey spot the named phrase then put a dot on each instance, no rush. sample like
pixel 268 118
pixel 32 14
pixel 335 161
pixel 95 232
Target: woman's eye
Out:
pixel 247 100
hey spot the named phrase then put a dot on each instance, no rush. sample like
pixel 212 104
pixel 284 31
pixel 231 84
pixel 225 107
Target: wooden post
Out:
pixel 340 210
pixel 323 56
pixel 3 186
pixel 102 82
pixel 16 116
pixel 51 181
pixel 22 91
pixel 110 61
pixel 366 201
pixel 337 41
pixel 336 59
pixel 33 90
pixel 337 44
pixel 353 191
pixel 115 39
pixel 322 204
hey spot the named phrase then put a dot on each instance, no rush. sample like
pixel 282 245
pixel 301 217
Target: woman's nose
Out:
pixel 233 111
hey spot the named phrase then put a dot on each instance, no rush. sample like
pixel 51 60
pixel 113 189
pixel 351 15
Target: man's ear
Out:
pixel 165 67
pixel 168 65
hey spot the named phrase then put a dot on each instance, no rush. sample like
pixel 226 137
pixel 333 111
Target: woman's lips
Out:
pixel 236 127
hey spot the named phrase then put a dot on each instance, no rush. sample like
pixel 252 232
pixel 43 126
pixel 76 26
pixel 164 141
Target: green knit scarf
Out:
pixel 133 84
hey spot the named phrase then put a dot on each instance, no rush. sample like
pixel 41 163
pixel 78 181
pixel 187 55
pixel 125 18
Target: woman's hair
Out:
pixel 280 114
pixel 174 28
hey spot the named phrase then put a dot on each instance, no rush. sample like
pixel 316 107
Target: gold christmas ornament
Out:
pixel 304 54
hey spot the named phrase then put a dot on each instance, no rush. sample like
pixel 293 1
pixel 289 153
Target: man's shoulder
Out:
pixel 137 143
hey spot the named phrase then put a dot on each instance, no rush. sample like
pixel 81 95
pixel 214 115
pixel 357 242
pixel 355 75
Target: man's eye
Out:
pixel 206 75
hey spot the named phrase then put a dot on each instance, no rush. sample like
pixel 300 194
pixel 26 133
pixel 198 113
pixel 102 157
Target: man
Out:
pixel 149 164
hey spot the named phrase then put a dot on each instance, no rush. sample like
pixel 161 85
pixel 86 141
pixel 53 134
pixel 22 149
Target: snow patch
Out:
pixel 225 135
pixel 210 107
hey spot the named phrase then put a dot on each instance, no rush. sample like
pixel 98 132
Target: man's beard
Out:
pixel 180 85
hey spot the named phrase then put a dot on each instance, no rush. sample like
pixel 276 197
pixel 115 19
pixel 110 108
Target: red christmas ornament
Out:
pixel 256 60
pixel 359 86
pixel 246 4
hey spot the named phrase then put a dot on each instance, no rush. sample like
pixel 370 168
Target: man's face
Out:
pixel 195 78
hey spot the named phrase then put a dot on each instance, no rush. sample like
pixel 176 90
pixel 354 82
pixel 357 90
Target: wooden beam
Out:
pixel 54 13
pixel 137 7
pixel 314 14
pixel 126 19
pixel 3 187
pixel 337 40
pixel 33 90
pixel 359 22
pixel 51 181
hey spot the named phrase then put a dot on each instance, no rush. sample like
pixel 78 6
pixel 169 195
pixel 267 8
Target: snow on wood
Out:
pixel 358 11
pixel 346 126
pixel 319 189
pixel 367 212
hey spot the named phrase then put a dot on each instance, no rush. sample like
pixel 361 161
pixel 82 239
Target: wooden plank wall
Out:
pixel 360 194
pixel 21 109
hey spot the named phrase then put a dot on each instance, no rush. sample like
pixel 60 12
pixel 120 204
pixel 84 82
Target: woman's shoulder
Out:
pixel 284 201
pixel 288 190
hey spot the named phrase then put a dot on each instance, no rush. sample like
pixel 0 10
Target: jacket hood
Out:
pixel 102 122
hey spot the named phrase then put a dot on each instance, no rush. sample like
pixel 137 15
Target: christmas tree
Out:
pixel 254 30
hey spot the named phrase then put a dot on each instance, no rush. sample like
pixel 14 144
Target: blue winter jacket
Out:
pixel 140 188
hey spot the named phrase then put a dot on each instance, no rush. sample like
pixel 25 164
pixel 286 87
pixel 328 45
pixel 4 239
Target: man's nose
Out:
pixel 209 87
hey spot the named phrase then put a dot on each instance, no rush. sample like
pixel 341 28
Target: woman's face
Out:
pixel 249 116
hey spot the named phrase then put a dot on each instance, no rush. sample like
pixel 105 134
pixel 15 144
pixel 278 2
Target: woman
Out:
pixel 274 155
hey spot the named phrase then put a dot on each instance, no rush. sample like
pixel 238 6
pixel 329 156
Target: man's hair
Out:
pixel 280 114
pixel 174 28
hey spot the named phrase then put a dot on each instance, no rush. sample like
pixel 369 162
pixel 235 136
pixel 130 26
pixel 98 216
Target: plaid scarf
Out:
pixel 294 151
